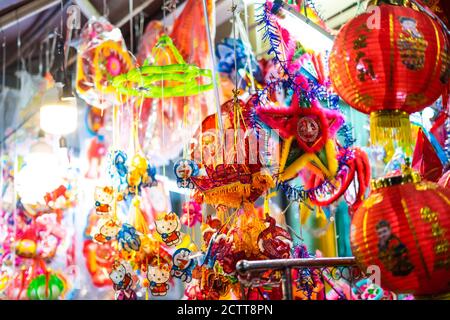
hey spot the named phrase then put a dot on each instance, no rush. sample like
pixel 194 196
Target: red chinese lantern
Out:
pixel 390 63
pixel 404 229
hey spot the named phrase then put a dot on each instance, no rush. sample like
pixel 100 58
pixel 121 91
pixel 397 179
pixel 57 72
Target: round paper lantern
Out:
pixel 45 287
pixel 390 63
pixel 404 229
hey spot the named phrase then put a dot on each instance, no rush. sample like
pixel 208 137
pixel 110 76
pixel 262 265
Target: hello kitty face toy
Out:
pixel 120 277
pixel 158 277
pixel 184 170
pixel 168 226
pixel 104 197
pixel 107 232
pixel 122 282
pixel 182 265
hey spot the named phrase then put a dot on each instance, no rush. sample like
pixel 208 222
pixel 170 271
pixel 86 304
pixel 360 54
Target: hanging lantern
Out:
pixel 390 63
pixel 46 287
pixel 403 228
pixel 233 162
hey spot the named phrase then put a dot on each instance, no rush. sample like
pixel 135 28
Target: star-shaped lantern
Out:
pixel 308 137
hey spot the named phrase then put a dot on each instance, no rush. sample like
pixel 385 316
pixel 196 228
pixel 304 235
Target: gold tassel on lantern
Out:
pixel 391 128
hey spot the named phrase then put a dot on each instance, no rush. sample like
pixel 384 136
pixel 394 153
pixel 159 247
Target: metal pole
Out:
pixel 246 266
pixel 26 11
pixel 136 10
pixel 87 8
pixel 286 284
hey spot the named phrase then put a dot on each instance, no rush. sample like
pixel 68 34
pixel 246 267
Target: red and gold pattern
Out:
pixel 390 70
pixel 232 177
pixel 403 227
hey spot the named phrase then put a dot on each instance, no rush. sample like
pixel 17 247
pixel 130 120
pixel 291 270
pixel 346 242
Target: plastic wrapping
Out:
pixel 102 55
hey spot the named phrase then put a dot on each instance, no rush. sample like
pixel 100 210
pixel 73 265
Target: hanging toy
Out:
pixel 232 173
pixel 159 276
pixel 168 226
pixel 118 169
pixel 228 57
pixel 99 259
pixel 274 242
pixel 215 286
pixel 352 182
pixel 140 174
pixel 128 238
pixel 149 80
pixel 184 170
pixel 151 252
pixel 110 60
pixel 45 287
pixel 95 154
pixel 107 232
pixel 366 290
pixel 104 197
pixel 57 198
pixel 390 94
pixel 101 56
pixel 122 282
pixel 183 265
pixel 150 178
pixel 192 214
pixel 26 247
pixel 136 173
pixel 308 137
pixel 310 285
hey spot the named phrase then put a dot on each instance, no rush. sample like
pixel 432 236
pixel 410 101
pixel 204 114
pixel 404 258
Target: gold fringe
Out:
pixel 230 195
pixel 391 129
pixel 233 195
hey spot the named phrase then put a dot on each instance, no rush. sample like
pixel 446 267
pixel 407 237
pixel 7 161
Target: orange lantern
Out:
pixel 390 63
pixel 404 229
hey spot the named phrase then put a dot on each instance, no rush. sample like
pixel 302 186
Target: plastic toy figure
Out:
pixel 128 238
pixel 158 277
pixel 182 265
pixel 104 197
pixel 168 226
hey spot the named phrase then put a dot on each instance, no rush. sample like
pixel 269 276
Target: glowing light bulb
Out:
pixel 58 116
pixel 41 174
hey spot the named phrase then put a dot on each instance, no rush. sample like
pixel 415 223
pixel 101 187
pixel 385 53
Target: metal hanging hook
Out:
pixel 105 9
